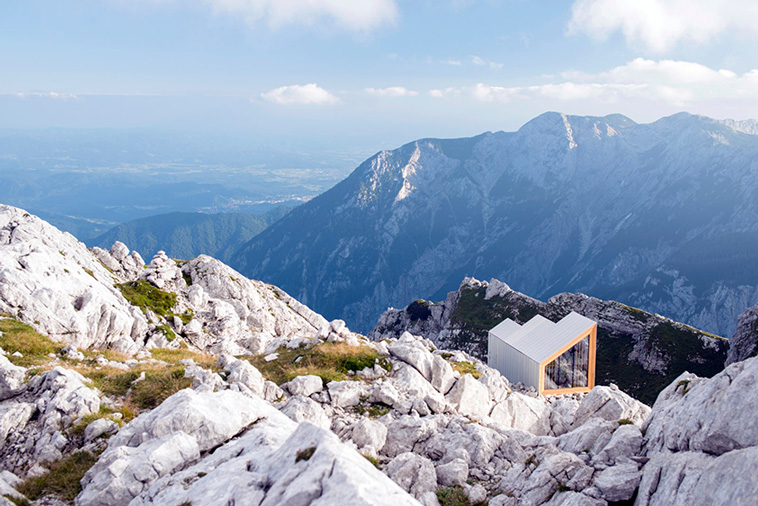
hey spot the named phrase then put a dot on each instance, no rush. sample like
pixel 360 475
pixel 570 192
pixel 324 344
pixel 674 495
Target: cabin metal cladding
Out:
pixel 554 358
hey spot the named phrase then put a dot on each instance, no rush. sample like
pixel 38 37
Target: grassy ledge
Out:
pixel 329 361
pixel 146 296
pixel 63 480
pixel 20 337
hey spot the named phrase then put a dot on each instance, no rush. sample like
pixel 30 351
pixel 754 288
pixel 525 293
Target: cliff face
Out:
pixel 639 351
pixel 744 343
pixel 659 216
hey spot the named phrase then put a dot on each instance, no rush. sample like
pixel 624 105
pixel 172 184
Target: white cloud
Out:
pixel 481 62
pixel 660 25
pixel 354 15
pixel 451 61
pixel 49 94
pixel 300 94
pixel 678 83
pixel 447 92
pixel 392 91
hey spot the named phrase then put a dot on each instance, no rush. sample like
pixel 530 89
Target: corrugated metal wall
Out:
pixel 511 363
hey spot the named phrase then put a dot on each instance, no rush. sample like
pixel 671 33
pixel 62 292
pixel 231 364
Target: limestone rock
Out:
pixel 618 483
pixel 610 403
pixel 11 378
pixel 524 413
pixel 470 397
pixel 275 463
pixel 51 281
pixel 713 416
pixel 305 385
pixel 744 342
pixel 300 408
pixel 413 473
pixel 369 434
pixel 123 472
pixel 453 473
pixel 345 394
pixel 413 352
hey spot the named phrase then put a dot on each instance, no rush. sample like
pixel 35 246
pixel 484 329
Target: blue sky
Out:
pixel 389 70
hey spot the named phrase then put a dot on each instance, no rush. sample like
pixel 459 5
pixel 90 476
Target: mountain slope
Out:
pixel 187 235
pixel 661 216
pixel 640 352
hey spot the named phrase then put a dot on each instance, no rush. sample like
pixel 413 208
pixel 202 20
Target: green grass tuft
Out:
pixel 146 296
pixel 305 454
pixel 452 496
pixel 466 368
pixel 166 329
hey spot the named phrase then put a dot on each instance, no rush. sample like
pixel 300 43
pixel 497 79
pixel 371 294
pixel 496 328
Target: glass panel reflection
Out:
pixel 571 369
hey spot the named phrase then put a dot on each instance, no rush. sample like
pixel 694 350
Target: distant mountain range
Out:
pixel 187 235
pixel 661 216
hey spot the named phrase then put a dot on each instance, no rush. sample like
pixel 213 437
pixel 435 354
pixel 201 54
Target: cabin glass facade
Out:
pixel 571 369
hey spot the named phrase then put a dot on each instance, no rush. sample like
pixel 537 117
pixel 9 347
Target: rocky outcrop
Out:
pixel 164 457
pixel 51 281
pixel 33 423
pixel 413 421
pixel 701 440
pixel 744 343
pixel 632 343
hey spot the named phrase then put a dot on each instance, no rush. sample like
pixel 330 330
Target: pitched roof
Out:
pixel 539 338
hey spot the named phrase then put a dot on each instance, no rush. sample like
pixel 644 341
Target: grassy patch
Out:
pixel 166 329
pixel 158 386
pixel 146 296
pixel 305 454
pixel 452 496
pixel 373 410
pixel 329 361
pixel 172 356
pixel 20 337
pixel 186 316
pixel 372 459
pixel 63 480
pixel 89 271
pixel 466 368
pixel 625 421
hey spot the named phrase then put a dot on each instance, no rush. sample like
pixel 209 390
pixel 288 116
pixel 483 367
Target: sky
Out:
pixel 388 71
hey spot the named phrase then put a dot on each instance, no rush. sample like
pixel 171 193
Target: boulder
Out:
pixel 454 473
pixel 610 403
pixel 11 378
pixel 300 408
pixel 625 443
pixel 369 434
pixel 414 353
pixel 345 394
pixel 470 397
pixel 618 483
pixel 413 473
pixel 521 412
pixel 442 377
pixel 304 385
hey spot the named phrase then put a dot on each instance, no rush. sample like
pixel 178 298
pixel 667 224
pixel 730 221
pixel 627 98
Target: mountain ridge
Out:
pixel 566 203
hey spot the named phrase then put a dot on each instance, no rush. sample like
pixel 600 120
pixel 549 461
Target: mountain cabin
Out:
pixel 554 358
